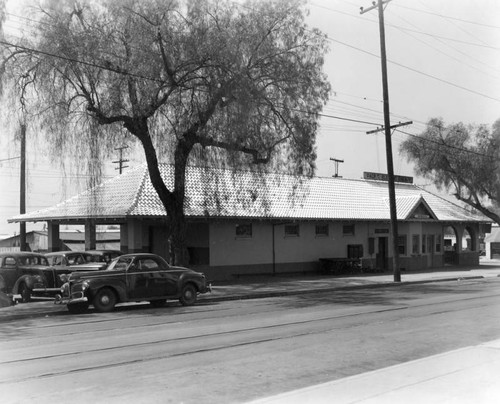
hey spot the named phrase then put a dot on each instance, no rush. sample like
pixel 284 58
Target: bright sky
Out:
pixel 443 61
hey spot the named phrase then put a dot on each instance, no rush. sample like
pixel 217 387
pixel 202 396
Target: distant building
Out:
pixel 37 241
pixel 246 223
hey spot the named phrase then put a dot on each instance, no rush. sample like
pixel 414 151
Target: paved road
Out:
pixel 235 351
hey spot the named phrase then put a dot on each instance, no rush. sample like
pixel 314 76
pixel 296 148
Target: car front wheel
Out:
pixel 25 293
pixel 188 295
pixel 104 300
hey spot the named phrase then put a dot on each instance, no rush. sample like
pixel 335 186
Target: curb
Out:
pixel 264 295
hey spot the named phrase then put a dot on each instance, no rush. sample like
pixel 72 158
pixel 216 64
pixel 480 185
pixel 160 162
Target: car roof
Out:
pixel 103 251
pixel 21 254
pixel 53 254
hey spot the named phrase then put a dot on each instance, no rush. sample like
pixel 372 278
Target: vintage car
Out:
pixel 74 260
pixel 103 255
pixel 132 278
pixel 23 272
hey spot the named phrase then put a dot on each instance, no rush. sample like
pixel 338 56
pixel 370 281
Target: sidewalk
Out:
pixel 463 376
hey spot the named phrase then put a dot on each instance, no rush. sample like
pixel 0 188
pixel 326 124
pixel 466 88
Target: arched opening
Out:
pixel 469 240
pixel 450 246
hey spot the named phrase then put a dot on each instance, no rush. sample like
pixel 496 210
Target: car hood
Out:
pixel 79 275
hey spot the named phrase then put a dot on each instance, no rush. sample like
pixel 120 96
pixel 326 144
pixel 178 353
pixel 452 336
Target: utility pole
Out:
pixel 337 161
pixel 388 139
pixel 22 202
pixel 120 161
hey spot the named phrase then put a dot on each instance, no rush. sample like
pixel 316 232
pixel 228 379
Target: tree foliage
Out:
pixel 210 81
pixel 463 158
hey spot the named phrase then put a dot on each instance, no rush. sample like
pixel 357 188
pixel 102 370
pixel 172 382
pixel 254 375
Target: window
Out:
pixel 424 242
pixel 430 244
pixel 348 230
pixel 402 245
pixel 322 230
pixel 147 264
pixel 355 251
pixel 244 230
pixel 291 230
pixel 438 243
pixel 415 244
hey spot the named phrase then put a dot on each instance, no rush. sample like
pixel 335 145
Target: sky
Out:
pixel 443 61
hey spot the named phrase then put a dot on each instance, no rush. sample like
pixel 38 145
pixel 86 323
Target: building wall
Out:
pixel 421 247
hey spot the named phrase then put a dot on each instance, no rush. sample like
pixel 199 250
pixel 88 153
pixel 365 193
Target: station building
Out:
pixel 242 222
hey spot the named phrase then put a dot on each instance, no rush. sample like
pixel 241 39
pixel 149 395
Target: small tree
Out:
pixel 212 80
pixel 461 157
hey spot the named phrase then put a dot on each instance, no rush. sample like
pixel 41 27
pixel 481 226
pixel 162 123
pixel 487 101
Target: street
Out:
pixel 236 351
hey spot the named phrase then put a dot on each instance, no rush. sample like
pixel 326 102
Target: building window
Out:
pixel 430 244
pixel 402 245
pixel 355 251
pixel 424 242
pixel 348 230
pixel 322 230
pixel 291 230
pixel 244 230
pixel 438 243
pixel 415 249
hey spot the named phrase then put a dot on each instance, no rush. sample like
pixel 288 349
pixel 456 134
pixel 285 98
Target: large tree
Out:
pixel 217 80
pixel 462 158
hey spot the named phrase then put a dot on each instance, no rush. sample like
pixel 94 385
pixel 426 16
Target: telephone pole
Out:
pixel 337 161
pixel 388 139
pixel 121 160
pixel 22 201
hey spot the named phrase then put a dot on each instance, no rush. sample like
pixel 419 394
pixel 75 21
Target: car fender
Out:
pixel 118 287
pixel 29 280
pixel 188 277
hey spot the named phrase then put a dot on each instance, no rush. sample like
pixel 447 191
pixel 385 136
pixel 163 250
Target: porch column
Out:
pixel 53 239
pixel 124 238
pixel 135 236
pixel 90 237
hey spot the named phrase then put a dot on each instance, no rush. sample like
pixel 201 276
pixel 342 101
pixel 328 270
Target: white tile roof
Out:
pixel 243 194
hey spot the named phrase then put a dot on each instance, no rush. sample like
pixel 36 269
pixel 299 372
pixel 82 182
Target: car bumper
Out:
pixel 45 291
pixel 75 298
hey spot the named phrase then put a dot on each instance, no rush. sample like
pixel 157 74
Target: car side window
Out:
pixel 9 262
pixel 147 264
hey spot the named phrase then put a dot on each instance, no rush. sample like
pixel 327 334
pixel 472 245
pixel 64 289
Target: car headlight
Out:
pixel 85 285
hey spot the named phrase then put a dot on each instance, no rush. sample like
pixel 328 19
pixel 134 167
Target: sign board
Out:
pixel 385 177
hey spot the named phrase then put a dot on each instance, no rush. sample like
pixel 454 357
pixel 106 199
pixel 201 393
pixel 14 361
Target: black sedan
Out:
pixel 132 278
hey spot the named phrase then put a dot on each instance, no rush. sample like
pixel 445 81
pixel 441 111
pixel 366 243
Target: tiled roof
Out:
pixel 243 194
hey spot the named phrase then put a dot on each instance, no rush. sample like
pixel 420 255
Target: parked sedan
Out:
pixel 129 278
pixel 23 272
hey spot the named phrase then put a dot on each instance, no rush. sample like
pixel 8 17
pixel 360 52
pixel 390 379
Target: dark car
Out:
pixel 23 272
pixel 132 278
pixel 103 255
pixel 74 261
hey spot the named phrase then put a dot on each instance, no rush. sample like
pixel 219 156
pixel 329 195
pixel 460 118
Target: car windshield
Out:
pixel 33 260
pixel 120 264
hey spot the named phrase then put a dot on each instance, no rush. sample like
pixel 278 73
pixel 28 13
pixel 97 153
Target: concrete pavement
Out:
pixel 467 375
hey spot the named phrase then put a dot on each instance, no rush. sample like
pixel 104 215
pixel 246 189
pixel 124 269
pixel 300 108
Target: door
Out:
pixel 8 273
pixel 382 253
pixel 149 278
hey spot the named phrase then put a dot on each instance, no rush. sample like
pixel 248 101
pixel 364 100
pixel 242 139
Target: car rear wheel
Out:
pixel 158 303
pixel 188 295
pixel 104 300
pixel 25 293
pixel 78 308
